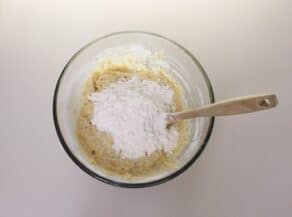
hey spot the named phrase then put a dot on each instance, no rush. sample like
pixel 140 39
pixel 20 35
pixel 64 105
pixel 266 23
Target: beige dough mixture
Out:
pixel 97 145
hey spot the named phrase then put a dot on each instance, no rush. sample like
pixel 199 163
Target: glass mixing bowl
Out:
pixel 184 68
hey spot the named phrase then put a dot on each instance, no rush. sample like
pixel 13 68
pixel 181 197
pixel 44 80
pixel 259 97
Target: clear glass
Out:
pixel 184 68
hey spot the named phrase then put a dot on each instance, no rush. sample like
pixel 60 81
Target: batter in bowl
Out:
pixel 121 128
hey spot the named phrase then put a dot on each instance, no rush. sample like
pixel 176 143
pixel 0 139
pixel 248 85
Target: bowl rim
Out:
pixel 108 180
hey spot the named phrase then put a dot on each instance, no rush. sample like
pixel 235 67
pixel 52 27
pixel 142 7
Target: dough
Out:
pixel 96 145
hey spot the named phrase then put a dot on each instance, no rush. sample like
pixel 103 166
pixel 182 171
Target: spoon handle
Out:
pixel 233 106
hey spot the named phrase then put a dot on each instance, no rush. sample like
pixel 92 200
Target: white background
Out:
pixel 245 47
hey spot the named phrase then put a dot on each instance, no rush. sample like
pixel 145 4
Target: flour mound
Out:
pixel 133 112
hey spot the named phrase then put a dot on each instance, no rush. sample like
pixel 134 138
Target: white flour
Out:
pixel 133 112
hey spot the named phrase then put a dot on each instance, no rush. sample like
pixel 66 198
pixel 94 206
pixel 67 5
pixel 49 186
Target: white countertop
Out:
pixel 245 47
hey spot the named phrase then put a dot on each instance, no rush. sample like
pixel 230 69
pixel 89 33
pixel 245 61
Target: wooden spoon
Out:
pixel 233 106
